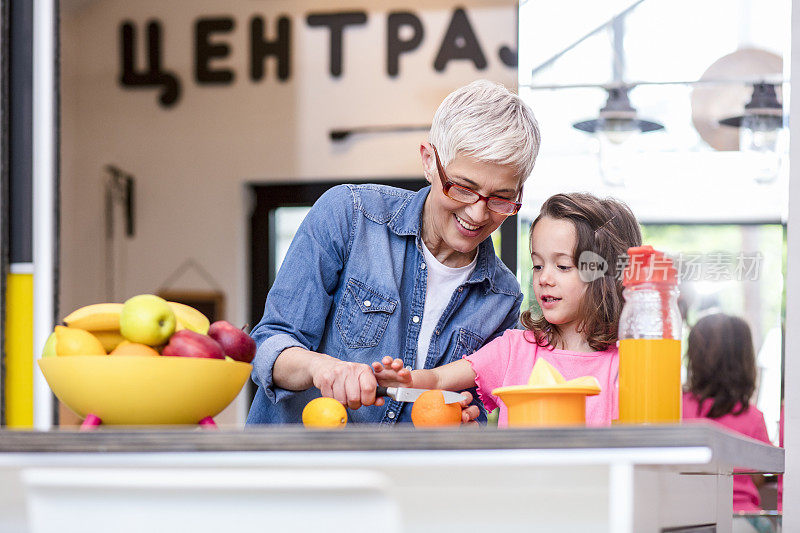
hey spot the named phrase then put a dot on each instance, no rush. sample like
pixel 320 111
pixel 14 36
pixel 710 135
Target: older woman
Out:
pixel 375 270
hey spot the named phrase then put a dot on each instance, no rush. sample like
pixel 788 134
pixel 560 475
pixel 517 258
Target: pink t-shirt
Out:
pixel 509 359
pixel 751 424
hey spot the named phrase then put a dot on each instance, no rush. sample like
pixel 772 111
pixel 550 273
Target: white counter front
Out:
pixel 621 479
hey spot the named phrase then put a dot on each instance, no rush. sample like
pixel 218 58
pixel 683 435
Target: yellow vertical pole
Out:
pixel 19 346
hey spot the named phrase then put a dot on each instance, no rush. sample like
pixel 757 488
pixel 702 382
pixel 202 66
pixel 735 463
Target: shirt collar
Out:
pixel 407 220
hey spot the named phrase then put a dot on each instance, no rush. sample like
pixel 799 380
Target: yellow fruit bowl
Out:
pixel 133 390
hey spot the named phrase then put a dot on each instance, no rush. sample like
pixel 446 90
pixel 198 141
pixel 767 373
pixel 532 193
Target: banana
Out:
pixel 189 318
pixel 96 317
pixel 109 339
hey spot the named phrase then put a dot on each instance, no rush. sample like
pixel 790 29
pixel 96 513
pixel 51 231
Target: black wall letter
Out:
pixel 396 46
pixel 459 42
pixel 206 51
pixel 336 22
pixel 260 48
pixel 509 56
pixel 153 76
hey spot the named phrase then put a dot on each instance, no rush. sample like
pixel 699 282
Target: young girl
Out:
pixel 577 329
pixel 721 380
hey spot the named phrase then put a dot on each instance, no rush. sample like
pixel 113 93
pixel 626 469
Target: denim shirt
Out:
pixel 352 285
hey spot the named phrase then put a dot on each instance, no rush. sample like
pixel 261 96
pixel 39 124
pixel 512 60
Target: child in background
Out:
pixel 721 380
pixel 577 330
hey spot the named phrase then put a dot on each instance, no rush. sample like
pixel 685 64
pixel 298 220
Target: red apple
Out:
pixel 187 343
pixel 236 343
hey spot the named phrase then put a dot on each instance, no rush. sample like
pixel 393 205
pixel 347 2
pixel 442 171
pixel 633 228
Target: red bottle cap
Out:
pixel 646 265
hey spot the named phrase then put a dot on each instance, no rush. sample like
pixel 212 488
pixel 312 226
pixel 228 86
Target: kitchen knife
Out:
pixel 404 394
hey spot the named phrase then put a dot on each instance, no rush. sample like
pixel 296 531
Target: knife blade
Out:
pixel 405 394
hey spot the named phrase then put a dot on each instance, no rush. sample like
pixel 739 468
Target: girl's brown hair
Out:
pixel 607 228
pixel 722 364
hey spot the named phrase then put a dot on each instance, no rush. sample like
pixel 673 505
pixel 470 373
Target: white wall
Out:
pixel 791 495
pixel 192 160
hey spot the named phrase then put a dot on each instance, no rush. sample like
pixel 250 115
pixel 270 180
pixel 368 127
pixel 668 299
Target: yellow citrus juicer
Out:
pixel 548 399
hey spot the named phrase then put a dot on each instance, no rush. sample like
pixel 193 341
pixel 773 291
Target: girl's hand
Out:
pixel 391 373
pixel 468 412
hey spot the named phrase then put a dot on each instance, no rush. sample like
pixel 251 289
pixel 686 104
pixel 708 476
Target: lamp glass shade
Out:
pixel 614 156
pixel 761 137
pixel 617 130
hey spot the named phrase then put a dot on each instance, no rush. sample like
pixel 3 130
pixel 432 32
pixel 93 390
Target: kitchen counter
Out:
pixel 621 479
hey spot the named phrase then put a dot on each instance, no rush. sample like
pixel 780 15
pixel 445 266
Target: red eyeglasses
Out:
pixel 468 196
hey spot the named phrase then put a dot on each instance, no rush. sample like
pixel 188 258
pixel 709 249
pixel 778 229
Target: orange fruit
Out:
pixel 324 413
pixel 134 348
pixel 430 411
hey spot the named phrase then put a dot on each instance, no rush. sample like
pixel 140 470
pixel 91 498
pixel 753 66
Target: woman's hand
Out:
pixel 353 384
pixel 391 373
pixel 468 412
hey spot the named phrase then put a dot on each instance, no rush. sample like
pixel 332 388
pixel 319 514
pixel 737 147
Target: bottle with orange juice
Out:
pixel 650 345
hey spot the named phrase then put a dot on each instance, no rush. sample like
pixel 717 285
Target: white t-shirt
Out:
pixel 442 282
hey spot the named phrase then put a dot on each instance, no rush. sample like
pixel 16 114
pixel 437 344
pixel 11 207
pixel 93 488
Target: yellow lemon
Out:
pixel 74 341
pixel 325 413
pixel 544 374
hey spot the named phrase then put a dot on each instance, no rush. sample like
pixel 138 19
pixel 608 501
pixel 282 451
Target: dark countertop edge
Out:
pixel 726 446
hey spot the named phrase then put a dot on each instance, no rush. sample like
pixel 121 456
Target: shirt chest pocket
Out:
pixel 466 343
pixel 362 315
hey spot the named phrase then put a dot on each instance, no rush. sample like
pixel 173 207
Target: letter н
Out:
pixel 260 48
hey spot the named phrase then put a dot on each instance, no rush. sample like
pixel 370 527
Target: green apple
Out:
pixel 50 346
pixel 147 319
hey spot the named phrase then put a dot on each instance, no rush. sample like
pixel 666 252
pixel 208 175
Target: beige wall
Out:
pixel 192 161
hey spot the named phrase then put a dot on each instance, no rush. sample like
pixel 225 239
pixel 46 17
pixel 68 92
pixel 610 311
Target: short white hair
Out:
pixel 486 121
